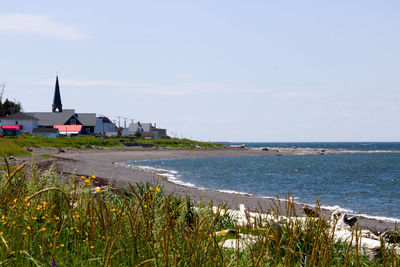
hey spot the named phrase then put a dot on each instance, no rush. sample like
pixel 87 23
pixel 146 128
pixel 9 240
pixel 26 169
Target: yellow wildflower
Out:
pixel 21 252
pixel 82 177
pixel 92 247
pixel 44 203
pixel 56 218
pixel 38 207
pixel 43 229
pixel 113 210
pixel 123 214
pixel 151 188
pixel 28 204
pixel 93 177
pixel 62 245
pixel 157 189
pixel 98 190
pixel 26 199
pixel 87 181
pixel 15 200
pixel 34 218
pixel 3 217
pixel 222 233
pixel 25 233
pixel 145 206
pixel 28 227
pixel 1 233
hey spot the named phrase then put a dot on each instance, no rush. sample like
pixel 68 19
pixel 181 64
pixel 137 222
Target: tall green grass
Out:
pixel 44 221
pixel 8 148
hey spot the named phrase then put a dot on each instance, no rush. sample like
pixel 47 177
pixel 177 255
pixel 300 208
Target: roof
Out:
pixel 60 118
pixel 53 118
pixel 68 128
pixel 87 119
pixel 10 127
pixel 19 116
pixel 45 130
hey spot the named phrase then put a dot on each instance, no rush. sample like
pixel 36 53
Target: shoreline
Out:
pixel 102 164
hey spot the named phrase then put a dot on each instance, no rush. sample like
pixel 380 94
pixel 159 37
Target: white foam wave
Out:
pixel 172 176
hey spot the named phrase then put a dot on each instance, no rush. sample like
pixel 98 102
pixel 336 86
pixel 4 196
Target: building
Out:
pixel 22 122
pixel 104 126
pixel 46 132
pixel 147 130
pixel 60 116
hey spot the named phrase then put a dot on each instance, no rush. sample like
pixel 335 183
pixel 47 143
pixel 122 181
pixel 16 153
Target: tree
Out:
pixel 138 134
pixel 9 107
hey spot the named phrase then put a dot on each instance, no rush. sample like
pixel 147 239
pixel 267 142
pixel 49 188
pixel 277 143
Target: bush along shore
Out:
pixel 47 220
pixel 17 146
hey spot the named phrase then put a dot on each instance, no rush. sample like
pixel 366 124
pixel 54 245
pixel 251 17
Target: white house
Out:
pixel 25 122
pixel 104 126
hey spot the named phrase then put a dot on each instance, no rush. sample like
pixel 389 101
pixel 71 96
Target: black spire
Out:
pixel 57 98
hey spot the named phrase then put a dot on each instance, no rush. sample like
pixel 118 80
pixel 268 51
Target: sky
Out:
pixel 271 71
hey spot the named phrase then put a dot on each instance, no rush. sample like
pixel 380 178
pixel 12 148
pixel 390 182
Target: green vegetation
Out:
pixel 15 145
pixel 8 148
pixel 78 142
pixel 45 222
pixel 180 143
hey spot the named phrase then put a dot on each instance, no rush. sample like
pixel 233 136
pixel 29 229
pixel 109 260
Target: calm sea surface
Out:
pixel 365 183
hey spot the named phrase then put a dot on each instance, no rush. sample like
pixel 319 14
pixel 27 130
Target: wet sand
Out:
pixel 102 164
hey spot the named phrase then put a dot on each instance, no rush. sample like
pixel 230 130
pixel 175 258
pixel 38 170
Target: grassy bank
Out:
pixel 15 145
pixel 45 222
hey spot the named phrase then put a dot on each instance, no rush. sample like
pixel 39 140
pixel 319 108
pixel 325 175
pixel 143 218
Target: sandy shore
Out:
pixel 102 164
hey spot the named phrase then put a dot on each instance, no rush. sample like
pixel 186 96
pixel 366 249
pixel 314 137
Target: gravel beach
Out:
pixel 102 164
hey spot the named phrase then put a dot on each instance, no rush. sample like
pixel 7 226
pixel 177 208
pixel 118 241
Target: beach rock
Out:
pixel 29 149
pixel 264 148
pixel 11 158
pixel 310 212
pixel 240 243
pixel 343 220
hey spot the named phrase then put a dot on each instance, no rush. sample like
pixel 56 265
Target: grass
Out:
pixel 15 145
pixel 44 221
pixel 179 143
pixel 8 148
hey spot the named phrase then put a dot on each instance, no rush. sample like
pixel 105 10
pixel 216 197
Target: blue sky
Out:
pixel 213 70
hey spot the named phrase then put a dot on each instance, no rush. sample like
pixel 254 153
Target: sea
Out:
pixel 364 182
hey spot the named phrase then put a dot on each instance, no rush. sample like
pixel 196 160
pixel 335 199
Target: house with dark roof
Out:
pixel 21 122
pixel 60 116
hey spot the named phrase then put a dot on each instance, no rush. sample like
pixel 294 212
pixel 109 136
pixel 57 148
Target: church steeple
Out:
pixel 57 98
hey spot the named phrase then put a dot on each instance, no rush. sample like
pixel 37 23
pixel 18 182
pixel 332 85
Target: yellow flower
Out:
pixel 93 177
pixel 157 189
pixel 271 236
pixel 28 227
pixel 222 233
pixel 123 214
pixel 98 190
pixel 26 199
pixel 77 230
pixel 28 204
pixel 13 222
pixel 34 218
pixel 38 207
pixel 78 216
pixel 57 218
pixel 113 210
pixel 3 217
pixel 21 252
pixel 92 247
pixel 82 177
pixel 145 206
pixel 43 229
pixel 25 233
pixel 15 200
pixel 62 245
pixel 87 181
pixel 1 233
pixel 151 188
pixel 51 245
pixel 44 203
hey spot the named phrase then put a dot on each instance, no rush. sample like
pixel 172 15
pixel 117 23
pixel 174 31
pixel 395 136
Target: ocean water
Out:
pixel 362 183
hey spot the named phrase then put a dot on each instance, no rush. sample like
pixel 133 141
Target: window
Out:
pixel 72 121
pixel 16 122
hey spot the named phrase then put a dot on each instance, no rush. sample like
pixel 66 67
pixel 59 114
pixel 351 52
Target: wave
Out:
pixel 173 177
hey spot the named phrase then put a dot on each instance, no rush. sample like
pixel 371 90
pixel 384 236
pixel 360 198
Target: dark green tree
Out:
pixel 9 107
pixel 138 134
